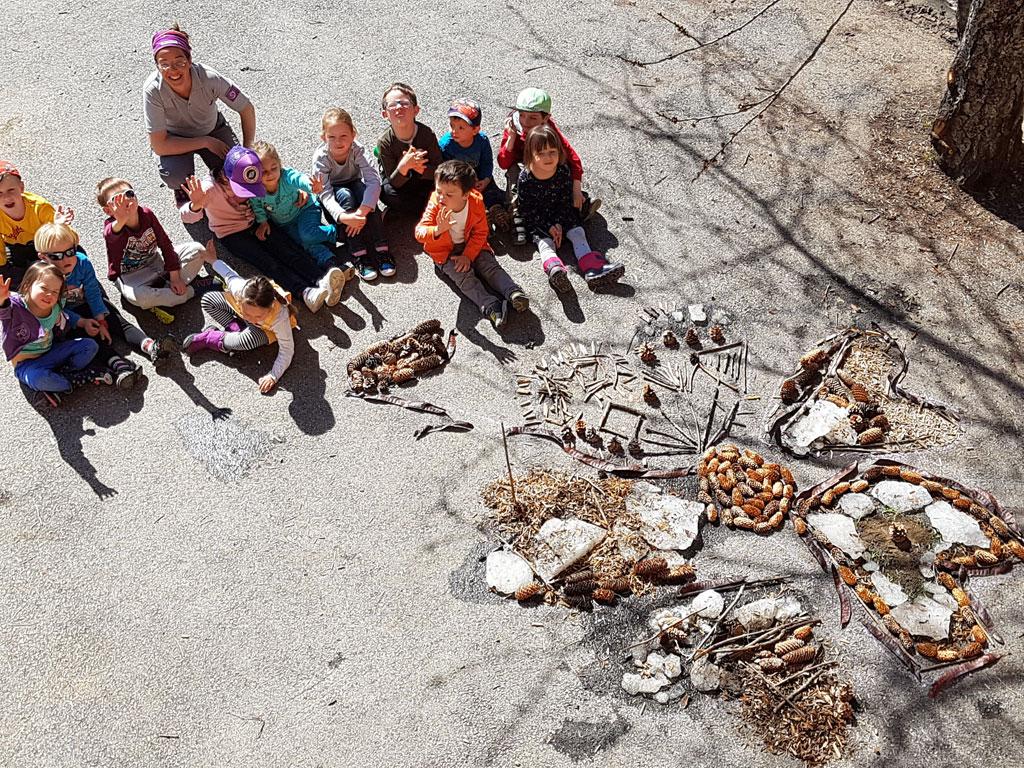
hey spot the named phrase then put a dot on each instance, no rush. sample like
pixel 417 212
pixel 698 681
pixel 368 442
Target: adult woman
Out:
pixel 182 119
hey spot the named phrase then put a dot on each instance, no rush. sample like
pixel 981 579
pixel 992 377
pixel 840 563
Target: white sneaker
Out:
pixel 334 282
pixel 314 298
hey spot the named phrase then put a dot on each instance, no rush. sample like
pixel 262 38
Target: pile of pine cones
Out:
pixel 809 374
pixel 794 651
pixel 747 492
pixel 399 360
pixel 582 588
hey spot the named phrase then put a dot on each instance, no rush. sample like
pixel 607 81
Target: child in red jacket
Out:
pixel 533 108
pixel 453 230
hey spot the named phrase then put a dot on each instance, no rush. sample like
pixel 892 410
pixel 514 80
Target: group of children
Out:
pixel 293 228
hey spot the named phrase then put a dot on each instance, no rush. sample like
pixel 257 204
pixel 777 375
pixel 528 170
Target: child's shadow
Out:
pixel 99 406
pixel 351 318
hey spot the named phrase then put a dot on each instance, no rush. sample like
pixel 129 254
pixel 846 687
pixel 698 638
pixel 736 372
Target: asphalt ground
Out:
pixel 300 584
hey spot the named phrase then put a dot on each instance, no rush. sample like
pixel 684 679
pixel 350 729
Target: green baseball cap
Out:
pixel 533 100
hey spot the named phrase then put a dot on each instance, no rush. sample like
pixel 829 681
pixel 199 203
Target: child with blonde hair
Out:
pixel 141 261
pixel 251 314
pixel 21 214
pixel 57 244
pixel 351 190
pixel 547 206
pixel 32 321
pixel 224 197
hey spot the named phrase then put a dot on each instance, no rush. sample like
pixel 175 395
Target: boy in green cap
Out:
pixel 533 108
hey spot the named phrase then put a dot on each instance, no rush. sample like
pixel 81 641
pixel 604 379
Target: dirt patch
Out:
pixel 900 565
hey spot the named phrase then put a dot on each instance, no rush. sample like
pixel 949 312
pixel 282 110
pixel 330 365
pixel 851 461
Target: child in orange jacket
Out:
pixel 453 231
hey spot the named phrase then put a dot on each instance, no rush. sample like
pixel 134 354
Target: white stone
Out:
pixel 840 530
pixel 697 313
pixel 856 505
pixel 820 418
pixel 666 521
pixel 677 315
pixel 924 616
pixel 901 496
pixel 761 614
pixel 661 697
pixel 870 566
pixel 506 571
pixel 705 676
pixel 842 433
pixel 891 592
pixel 642 486
pixel 673 666
pixel 954 526
pixel 708 604
pixel 562 543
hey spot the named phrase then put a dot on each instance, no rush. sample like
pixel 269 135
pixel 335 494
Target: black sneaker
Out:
pixel 496 314
pixel 88 376
pixel 519 300
pixel 590 207
pixel 558 279
pixel 125 373
pixel 604 275
pixel 164 349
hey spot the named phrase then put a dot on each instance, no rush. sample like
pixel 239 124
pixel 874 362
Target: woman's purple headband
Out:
pixel 171 38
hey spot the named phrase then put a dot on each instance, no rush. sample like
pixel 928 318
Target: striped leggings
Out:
pixel 247 339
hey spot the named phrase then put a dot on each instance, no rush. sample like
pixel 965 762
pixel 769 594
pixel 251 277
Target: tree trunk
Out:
pixel 977 132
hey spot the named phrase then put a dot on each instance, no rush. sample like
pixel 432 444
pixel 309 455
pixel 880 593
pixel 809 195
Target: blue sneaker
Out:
pixel 387 266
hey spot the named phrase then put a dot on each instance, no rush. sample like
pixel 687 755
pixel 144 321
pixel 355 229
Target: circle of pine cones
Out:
pixel 743 490
pixel 401 359
pixel 971 638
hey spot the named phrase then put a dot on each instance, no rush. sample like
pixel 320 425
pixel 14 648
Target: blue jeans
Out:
pixel 40 373
pixel 312 234
pixel 350 197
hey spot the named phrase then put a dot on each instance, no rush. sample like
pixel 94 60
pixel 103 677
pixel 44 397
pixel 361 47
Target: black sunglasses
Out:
pixel 128 194
pixel 61 255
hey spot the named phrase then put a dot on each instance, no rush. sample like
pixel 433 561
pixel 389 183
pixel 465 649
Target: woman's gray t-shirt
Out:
pixel 196 116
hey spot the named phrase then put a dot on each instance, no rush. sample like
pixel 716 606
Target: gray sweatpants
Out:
pixel 484 278
pixel 174 169
pixel 141 286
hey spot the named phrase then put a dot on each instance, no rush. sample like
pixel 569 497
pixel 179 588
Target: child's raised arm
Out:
pixel 427 227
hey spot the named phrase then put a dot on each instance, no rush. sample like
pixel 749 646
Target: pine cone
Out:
pixel 789 391
pixel 669 340
pixel 814 360
pixel 870 436
pixel 615 447
pixel 800 656
pixel 424 364
pixel 650 396
pixel 529 591
pixel 581 587
pixel 716 334
pixel 859 392
pixel 647 354
pixel 427 326
pixel 356 363
pixel 692 339
pixel 604 596
pixel 403 375
pixel 650 568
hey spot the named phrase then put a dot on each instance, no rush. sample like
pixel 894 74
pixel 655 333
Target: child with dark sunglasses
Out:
pixel 58 244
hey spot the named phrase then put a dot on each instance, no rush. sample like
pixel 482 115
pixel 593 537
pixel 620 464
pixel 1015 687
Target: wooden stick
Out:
pixel 774 689
pixel 508 464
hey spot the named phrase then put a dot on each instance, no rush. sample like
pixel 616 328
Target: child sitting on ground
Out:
pixel 141 261
pixel 29 320
pixel 546 204
pixel 57 244
pixel 252 313
pixel 454 232
pixel 533 108
pixel 21 214
pixel 463 141
pixel 408 152
pixel 291 204
pixel 351 190
pixel 224 195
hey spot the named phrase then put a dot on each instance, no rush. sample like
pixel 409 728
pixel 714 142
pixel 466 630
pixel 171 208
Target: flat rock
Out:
pixel 563 543
pixel 705 676
pixel 697 313
pixel 761 614
pixel 840 530
pixel 666 521
pixel 856 505
pixel 667 664
pixel 901 496
pixel 708 604
pixel 924 616
pixel 631 545
pixel 819 420
pixel 632 683
pixel 506 571
pixel 954 526
pixel 888 590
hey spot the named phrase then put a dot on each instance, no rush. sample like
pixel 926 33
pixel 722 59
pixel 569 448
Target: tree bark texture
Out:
pixel 977 132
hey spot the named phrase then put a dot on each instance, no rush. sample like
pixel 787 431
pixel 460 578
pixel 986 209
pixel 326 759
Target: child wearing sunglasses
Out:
pixel 58 244
pixel 141 261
